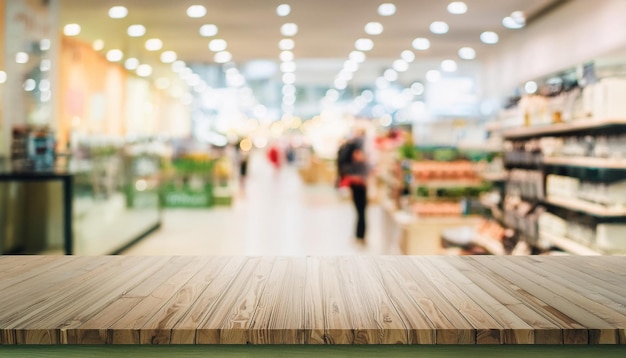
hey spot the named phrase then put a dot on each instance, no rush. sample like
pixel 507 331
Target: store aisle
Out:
pixel 279 215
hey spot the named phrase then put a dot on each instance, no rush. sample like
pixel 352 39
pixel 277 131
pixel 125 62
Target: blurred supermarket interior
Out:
pixel 213 127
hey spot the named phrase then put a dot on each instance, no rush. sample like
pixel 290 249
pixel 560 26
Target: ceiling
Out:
pixel 326 36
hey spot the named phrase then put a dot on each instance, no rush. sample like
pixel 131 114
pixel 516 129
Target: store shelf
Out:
pixel 491 245
pixel 569 245
pixel 449 183
pixel 562 128
pixel 586 207
pixel 586 162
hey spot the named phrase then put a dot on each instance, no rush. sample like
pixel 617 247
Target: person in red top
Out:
pixel 273 154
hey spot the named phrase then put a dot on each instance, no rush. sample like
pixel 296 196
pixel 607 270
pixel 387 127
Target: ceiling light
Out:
pixel 168 57
pixel 351 66
pixel 457 7
pixel 357 56
pixel 289 29
pixel 340 84
pixel 286 56
pixel 3 77
pixel 136 30
pixel 439 27
pixel 382 83
pixel 44 85
pixel 98 45
pixel 531 87
pixel 114 55
pixel 400 65
pixel 449 66
pixel 283 10
pixel 421 44
pixel 131 63
pixel 178 66
pixel 44 44
pixel 345 76
pixel 154 45
pixel 286 44
pixel 467 53
pixel 374 28
pixel 390 75
pixel 408 56
pixel 144 70
pixel 288 67
pixel 196 11
pixel 364 44
pixel 71 29
pixel 289 90
pixel 289 78
pixel 162 83
pixel 222 57
pixel 45 65
pixel 22 57
pixel 417 88
pixel 433 76
pixel 208 30
pixel 489 37
pixel 386 9
pixel 517 20
pixel 118 12
pixel 518 16
pixel 30 85
pixel 218 45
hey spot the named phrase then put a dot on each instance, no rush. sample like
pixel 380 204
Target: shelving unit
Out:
pixel 563 207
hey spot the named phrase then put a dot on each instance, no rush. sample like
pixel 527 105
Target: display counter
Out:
pixel 434 305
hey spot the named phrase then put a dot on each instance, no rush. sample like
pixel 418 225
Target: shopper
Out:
pixel 274 156
pixel 355 177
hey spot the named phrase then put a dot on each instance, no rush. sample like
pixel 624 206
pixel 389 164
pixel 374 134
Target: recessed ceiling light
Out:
pixel 350 66
pixel 283 10
pixel 196 11
pixel 531 87
pixel 286 56
pixel 289 29
pixel 467 53
pixel 357 56
pixel 340 84
pixel 44 44
pixel 364 44
pixel 71 29
pixel 144 70
pixel 286 44
pixel 208 30
pixel 136 30
pixel 178 66
pixel 449 66
pixel 517 20
pixel 457 7
pixel 382 83
pixel 390 75
pixel 114 55
pixel 3 77
pixel 168 57
pixel 289 78
pixel 118 12
pixel 433 76
pixel 218 45
pixel 374 28
pixel 98 45
pixel 45 65
pixel 162 83
pixel 400 65
pixel 439 27
pixel 288 66
pixel 154 44
pixel 386 9
pixel 421 44
pixel 289 90
pixel 30 85
pixel 417 88
pixel 131 63
pixel 22 57
pixel 222 57
pixel 408 56
pixel 489 37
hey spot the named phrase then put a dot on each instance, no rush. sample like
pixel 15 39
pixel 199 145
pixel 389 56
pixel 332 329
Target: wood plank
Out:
pixel 420 329
pixel 543 289
pixel 314 320
pixel 373 315
pixel 230 323
pixel 488 330
pixel 126 330
pixel 338 323
pixel 517 331
pixel 158 329
pixel 280 314
pixel 438 309
pixel 184 331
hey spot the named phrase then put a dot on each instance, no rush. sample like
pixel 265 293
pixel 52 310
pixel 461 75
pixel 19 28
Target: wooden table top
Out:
pixel 312 300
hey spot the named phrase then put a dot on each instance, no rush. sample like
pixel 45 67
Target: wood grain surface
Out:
pixel 312 300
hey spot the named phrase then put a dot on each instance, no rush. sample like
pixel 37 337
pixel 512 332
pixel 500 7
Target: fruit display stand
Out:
pixel 188 182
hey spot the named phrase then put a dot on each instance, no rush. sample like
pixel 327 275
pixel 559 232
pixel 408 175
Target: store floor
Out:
pixel 278 215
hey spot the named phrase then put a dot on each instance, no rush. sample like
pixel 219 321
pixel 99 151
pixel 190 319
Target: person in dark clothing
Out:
pixel 355 176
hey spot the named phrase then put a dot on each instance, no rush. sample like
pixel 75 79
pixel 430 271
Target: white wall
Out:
pixel 576 32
